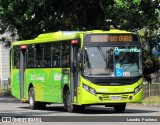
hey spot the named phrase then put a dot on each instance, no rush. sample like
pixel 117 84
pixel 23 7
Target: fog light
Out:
pixel 100 98
pixel 130 97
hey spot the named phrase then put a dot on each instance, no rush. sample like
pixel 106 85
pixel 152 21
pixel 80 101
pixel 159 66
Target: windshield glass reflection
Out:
pixel 111 61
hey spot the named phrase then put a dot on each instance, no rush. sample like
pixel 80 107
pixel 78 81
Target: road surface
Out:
pixel 13 107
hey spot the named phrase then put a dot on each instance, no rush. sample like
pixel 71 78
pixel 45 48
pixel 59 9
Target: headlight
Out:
pixel 89 89
pixel 86 87
pixel 138 88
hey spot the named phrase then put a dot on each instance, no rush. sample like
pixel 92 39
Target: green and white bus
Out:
pixel 78 69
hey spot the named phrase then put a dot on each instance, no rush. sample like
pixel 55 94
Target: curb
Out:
pixel 149 105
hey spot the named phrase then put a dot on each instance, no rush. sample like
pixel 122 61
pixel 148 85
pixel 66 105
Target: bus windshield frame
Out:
pixel 111 59
pixel 107 61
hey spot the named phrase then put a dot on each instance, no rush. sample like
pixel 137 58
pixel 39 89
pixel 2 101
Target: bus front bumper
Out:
pixel 87 98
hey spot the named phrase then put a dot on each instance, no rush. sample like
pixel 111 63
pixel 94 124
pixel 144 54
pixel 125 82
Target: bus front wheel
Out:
pixel 32 103
pixel 120 108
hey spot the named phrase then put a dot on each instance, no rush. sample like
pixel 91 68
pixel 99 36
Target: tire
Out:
pixel 32 103
pixel 67 102
pixel 120 108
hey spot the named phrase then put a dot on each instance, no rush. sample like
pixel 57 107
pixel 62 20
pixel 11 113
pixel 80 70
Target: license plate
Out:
pixel 115 98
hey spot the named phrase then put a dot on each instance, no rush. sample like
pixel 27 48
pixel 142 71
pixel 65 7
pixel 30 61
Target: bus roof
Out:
pixel 65 35
pixel 46 37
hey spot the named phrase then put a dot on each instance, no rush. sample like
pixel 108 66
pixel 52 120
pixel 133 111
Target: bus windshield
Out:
pixel 111 61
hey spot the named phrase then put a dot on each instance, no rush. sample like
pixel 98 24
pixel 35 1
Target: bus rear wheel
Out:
pixel 32 103
pixel 67 102
pixel 120 108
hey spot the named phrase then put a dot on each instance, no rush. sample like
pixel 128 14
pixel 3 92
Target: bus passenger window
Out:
pixel 30 62
pixel 38 63
pixel 47 55
pixel 17 63
pixel 16 56
pixel 65 54
pixel 39 55
pixel 55 55
pixel 65 61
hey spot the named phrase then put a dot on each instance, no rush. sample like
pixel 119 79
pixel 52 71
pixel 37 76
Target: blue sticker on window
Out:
pixel 119 72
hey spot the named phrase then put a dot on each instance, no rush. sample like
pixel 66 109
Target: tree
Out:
pixel 136 15
pixel 29 18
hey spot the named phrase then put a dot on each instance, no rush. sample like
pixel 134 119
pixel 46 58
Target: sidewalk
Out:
pixel 5 91
pixel 149 105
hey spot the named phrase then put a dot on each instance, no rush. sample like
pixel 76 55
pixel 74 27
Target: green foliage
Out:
pixel 30 18
pixel 134 14
pixel 6 41
pixel 5 91
pixel 150 63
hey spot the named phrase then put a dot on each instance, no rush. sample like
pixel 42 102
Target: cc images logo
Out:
pixel 6 119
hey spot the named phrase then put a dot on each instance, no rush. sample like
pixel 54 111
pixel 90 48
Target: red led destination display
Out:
pixel 111 38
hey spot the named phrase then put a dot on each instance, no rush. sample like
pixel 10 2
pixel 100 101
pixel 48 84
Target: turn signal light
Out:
pixel 74 42
pixel 23 47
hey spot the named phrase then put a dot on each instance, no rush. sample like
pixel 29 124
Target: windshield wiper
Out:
pixel 102 52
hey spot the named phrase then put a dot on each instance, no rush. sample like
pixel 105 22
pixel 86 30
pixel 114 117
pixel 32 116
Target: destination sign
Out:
pixel 111 38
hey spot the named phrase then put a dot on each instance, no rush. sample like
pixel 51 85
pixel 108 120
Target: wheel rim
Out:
pixel 30 99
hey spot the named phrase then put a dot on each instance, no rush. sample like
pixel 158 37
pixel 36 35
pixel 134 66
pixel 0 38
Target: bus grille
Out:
pixel 124 97
pixel 107 97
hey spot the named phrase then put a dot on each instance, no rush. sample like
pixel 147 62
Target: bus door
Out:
pixel 74 73
pixel 22 70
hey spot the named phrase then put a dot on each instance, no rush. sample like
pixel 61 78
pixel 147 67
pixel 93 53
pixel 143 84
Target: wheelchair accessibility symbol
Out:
pixel 119 72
